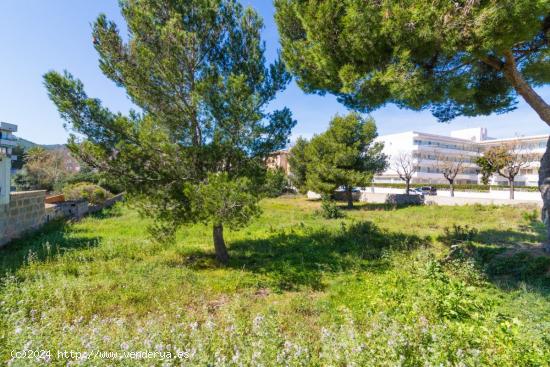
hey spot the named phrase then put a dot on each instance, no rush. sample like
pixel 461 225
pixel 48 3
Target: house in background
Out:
pixel 7 142
pixel 467 144
pixel 279 159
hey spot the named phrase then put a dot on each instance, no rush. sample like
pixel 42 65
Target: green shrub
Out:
pixel 329 209
pixel 90 192
pixel 96 178
pixel 452 298
pixel 276 183
pixel 532 216
pixel 457 234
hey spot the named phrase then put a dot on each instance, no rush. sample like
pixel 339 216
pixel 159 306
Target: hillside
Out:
pixel 27 144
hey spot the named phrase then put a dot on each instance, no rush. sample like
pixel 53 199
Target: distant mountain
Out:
pixel 54 146
pixel 27 144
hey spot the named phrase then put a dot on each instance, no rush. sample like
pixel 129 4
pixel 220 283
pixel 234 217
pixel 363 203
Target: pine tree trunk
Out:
pixel 511 182
pixel 219 244
pixel 349 194
pixel 544 186
pixel 523 88
pixel 542 108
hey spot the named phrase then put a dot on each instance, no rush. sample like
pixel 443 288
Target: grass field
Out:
pixel 376 288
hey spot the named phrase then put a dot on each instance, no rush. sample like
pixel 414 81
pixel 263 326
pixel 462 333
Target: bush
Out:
pixel 329 209
pixel 458 234
pixel 452 298
pixel 96 178
pixel 90 192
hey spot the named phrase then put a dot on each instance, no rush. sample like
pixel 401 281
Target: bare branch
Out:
pixel 405 165
pixel 450 166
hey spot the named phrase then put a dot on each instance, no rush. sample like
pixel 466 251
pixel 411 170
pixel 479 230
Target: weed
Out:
pixel 457 234
pixel 330 210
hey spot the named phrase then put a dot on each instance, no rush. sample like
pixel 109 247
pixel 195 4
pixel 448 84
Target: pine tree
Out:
pixel 456 58
pixel 297 161
pixel 195 149
pixel 344 155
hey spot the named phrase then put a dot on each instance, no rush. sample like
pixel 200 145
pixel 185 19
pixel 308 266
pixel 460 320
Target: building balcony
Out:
pixel 447 151
pixel 8 127
pixel 8 142
pixel 434 162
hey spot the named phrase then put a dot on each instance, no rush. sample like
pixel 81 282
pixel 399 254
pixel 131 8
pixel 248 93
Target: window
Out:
pixel 443 145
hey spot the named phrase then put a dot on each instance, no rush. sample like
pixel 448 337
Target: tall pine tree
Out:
pixel 195 150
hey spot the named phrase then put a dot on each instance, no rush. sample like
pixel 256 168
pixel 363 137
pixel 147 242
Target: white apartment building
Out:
pixel 7 142
pixel 427 149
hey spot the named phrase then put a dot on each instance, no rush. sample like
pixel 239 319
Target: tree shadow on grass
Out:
pixel 516 268
pixel 532 233
pixel 509 258
pixel 290 260
pixel 52 239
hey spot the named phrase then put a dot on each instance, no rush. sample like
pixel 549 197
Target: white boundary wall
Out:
pixel 493 194
pixel 378 194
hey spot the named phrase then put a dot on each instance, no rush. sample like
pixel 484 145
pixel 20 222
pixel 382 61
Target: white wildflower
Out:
pixel 209 324
pixel 257 322
pixel 287 346
pixel 475 352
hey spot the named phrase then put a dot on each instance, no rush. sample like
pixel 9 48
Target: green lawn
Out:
pixel 373 289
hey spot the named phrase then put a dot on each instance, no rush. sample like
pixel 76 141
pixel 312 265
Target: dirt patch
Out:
pixel 262 292
pixel 531 249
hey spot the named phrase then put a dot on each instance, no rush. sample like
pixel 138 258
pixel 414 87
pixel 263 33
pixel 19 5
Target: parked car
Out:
pixel 424 190
pixel 415 191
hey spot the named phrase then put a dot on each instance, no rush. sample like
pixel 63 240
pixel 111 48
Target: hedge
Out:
pixel 90 192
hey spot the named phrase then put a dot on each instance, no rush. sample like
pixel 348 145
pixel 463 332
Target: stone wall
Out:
pixel 403 199
pixel 67 209
pixel 107 204
pixel 25 212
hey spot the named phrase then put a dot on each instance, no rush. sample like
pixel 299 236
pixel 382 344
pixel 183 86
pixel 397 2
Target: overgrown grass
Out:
pixel 376 288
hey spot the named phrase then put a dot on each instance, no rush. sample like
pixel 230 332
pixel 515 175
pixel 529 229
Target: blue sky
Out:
pixel 37 36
